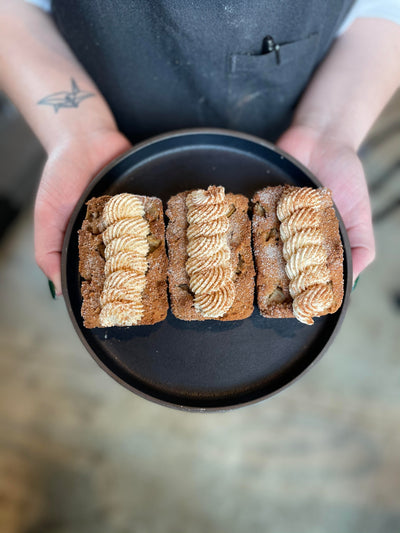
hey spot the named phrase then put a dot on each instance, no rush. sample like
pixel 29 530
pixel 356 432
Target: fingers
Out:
pixel 361 237
pixel 53 207
pixel 49 233
pixel 52 263
pixel 362 257
pixel 352 200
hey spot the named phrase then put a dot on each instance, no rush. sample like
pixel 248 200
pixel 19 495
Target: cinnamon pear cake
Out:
pixel 298 253
pixel 123 261
pixel 210 269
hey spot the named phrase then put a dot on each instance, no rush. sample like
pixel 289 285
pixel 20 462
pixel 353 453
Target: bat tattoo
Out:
pixel 66 98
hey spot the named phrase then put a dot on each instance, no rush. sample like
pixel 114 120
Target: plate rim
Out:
pixel 181 133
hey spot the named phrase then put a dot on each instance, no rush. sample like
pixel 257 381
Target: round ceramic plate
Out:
pixel 206 365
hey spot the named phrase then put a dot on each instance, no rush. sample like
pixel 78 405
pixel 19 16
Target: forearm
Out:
pixel 35 62
pixel 354 83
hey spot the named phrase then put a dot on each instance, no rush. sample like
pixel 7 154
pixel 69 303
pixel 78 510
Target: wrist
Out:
pixel 54 133
pixel 90 150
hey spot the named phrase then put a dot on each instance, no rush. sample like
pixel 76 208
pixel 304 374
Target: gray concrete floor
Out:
pixel 80 453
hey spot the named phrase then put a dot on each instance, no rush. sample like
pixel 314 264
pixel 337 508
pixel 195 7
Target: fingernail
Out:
pixel 355 283
pixel 52 289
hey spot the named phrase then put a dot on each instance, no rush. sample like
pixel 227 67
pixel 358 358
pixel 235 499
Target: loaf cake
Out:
pixel 210 269
pixel 298 253
pixel 123 261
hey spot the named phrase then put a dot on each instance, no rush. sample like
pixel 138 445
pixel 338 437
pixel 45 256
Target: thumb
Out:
pixel 298 142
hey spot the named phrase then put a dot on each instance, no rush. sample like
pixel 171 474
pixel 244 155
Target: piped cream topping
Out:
pixel 208 265
pixel 126 260
pixel 299 211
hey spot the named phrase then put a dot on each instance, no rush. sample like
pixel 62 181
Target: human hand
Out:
pixel 70 166
pixel 337 167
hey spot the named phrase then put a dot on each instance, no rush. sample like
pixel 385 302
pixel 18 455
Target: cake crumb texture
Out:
pixel 239 239
pixel 92 262
pixel 273 296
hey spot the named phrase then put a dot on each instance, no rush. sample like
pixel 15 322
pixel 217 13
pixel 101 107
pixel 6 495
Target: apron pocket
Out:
pixel 262 92
pixel 294 57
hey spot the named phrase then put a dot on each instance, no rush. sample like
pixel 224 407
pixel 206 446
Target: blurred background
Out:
pixel 80 453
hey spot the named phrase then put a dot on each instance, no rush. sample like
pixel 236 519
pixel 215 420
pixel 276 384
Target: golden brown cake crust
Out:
pixel 91 263
pixel 273 297
pixel 241 257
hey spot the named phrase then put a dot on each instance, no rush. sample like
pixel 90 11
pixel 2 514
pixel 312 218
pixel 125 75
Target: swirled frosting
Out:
pixel 299 211
pixel 208 264
pixel 126 248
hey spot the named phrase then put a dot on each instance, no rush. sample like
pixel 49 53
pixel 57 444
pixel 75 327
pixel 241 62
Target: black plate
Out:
pixel 201 365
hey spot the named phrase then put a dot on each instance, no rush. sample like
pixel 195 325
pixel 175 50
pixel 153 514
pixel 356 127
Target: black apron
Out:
pixel 169 64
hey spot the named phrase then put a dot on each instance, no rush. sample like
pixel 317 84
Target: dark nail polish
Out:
pixel 355 283
pixel 52 289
